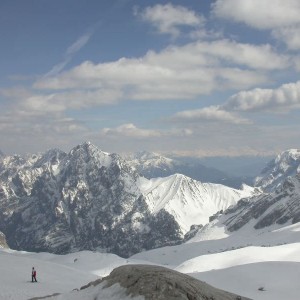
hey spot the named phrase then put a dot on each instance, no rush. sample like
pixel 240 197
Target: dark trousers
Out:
pixel 33 278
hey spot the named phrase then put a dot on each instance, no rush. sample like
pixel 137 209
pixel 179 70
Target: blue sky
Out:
pixel 197 78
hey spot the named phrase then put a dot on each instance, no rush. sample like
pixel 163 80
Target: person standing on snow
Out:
pixel 33 275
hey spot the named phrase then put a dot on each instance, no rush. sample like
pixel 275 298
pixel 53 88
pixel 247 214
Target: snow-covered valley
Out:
pixel 256 272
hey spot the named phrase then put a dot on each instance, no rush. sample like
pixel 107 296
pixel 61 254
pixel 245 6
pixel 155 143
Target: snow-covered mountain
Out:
pixel 89 199
pixel 285 164
pixel 190 202
pixel 153 165
pixel 86 199
pixel 252 249
pixel 279 207
pixel 256 219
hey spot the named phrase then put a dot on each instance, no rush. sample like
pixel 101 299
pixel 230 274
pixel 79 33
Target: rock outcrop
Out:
pixel 278 170
pixel 3 243
pixel 154 282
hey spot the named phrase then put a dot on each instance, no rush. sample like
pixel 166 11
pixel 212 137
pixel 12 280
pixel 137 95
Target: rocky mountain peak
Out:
pixel 285 164
pixel 50 157
pixel 90 199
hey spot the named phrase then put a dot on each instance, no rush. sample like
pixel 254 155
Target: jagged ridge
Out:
pixel 89 199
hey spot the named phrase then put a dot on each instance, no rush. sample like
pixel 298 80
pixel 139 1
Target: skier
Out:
pixel 33 275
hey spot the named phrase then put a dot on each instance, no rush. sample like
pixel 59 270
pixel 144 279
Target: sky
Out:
pixel 193 78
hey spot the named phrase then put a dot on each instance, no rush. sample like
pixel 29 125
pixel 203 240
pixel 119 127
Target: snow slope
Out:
pixel 55 273
pixel 228 263
pixel 16 276
pixel 241 271
pixel 189 201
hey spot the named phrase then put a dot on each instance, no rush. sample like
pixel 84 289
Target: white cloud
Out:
pixel 36 103
pixel 211 114
pixel 130 130
pixel 260 14
pixel 70 52
pixel 79 43
pixel 169 18
pixel 289 35
pixel 177 72
pixel 282 99
pixel 252 56
pixel 281 17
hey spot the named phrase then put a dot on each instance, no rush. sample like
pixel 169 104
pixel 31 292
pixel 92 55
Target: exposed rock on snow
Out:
pixel 279 207
pixel 154 282
pixel 3 243
pixel 274 174
pixel 256 216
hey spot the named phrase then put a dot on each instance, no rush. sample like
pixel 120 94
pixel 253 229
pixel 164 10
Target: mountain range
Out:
pixel 89 199
pixel 245 241
pixel 153 165
pixel 258 219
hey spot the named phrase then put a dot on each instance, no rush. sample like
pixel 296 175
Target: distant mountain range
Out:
pixel 153 165
pixel 88 199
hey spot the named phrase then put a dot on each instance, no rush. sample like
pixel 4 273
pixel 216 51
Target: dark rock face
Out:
pixel 278 207
pixel 86 199
pixel 154 282
pixel 192 232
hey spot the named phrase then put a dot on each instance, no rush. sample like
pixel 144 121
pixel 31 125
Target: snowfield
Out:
pixel 189 201
pixel 244 271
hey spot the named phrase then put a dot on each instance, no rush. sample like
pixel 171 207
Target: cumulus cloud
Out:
pixel 282 99
pixel 211 114
pixel 281 17
pixel 252 56
pixel 177 72
pixel 169 18
pixel 260 14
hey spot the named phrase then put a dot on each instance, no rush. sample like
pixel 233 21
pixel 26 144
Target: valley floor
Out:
pixel 275 270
